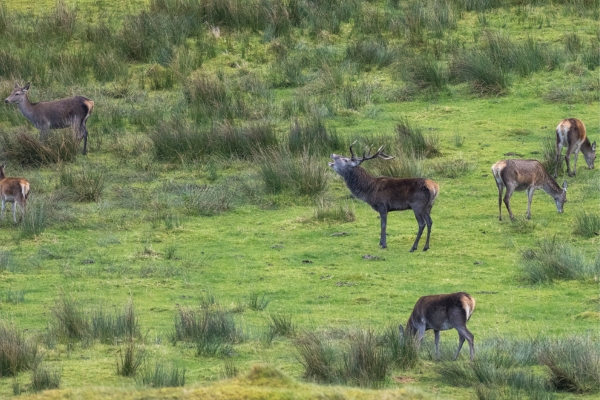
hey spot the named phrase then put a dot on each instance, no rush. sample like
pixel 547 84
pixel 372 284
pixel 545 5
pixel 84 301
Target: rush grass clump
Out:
pixel 161 376
pixel 45 378
pixel 414 142
pixel 574 364
pixel 109 327
pixel 22 148
pixel 17 353
pixel 587 224
pixel 130 359
pixel 85 184
pixel 553 259
pixel 313 135
pixel 213 331
pixel 326 211
pixel 404 349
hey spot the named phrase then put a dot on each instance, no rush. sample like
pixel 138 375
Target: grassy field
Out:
pixel 206 193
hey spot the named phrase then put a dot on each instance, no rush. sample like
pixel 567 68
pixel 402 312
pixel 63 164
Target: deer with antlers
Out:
pixel 385 194
pixel 13 190
pixel 57 114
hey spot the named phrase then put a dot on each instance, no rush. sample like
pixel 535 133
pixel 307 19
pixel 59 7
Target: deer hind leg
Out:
pixel 83 134
pixel 421 221
pixel 429 225
pixel 507 196
pixel 464 333
pixel 575 162
pixel 3 206
pixel 500 190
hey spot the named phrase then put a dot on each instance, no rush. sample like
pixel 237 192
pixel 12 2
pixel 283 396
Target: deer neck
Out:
pixel 26 108
pixel 360 183
pixel 551 187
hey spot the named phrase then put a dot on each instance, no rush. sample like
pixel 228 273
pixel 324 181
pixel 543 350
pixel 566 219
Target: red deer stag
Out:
pixel 441 312
pixel 570 133
pixel 385 194
pixel 526 175
pixel 13 190
pixel 58 114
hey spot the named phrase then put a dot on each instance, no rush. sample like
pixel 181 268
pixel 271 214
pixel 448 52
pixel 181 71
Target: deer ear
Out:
pixel 17 85
pixel 401 329
pixel 26 87
pixel 565 185
pixel 594 146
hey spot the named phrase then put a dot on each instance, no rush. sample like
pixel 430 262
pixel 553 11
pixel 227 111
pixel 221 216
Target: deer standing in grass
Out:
pixel 527 175
pixel 45 115
pixel 386 194
pixel 442 312
pixel 570 133
pixel 13 190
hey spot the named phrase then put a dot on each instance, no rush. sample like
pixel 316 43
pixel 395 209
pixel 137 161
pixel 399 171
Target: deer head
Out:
pixel 342 164
pixel 18 94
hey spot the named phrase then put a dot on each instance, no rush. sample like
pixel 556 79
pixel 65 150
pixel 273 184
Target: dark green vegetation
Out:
pixel 204 232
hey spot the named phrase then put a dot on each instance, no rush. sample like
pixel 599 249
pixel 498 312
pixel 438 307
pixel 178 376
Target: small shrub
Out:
pixel 130 359
pixel 256 302
pixel 44 378
pixel 17 353
pixel 161 376
pixel 587 224
pixel 281 325
pixel 414 142
pixel 574 364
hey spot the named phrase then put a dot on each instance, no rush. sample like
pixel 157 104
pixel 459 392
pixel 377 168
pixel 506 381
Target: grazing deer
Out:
pixel 441 312
pixel 570 133
pixel 385 194
pixel 58 114
pixel 526 175
pixel 13 190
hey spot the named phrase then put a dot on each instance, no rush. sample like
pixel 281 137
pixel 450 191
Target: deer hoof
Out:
pixel 411 250
pixel 426 248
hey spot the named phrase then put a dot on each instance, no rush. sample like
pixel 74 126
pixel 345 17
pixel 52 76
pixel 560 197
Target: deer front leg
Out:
pixel 568 161
pixel 383 240
pixel 2 212
pixel 437 344
pixel 15 211
pixel 44 134
pixel 529 199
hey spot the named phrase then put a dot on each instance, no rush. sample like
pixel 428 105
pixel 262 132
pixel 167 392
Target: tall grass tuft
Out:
pixel 44 378
pixel 318 358
pixel 404 349
pixel 17 353
pixel 425 72
pixel 213 98
pixel 71 320
pixel 325 211
pixel 161 376
pixel 587 224
pixel 208 200
pixel 36 218
pixel 453 168
pixel 85 184
pixel 574 364
pixel 414 142
pixel 21 148
pixel 549 155
pixel 554 259
pixel 312 134
pixel 365 363
pixel 107 327
pixel 213 331
pixel 281 325
pixel 130 359
pixel 369 53
pixel 485 76
pixel 256 302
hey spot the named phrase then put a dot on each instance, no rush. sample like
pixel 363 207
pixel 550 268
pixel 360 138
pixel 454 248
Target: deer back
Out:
pixel 62 113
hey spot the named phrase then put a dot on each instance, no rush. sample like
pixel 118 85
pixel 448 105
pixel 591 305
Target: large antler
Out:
pixel 367 154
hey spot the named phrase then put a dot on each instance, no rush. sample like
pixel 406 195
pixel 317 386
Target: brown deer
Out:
pixel 441 312
pixel 527 175
pixel 385 194
pixel 45 115
pixel 570 133
pixel 13 190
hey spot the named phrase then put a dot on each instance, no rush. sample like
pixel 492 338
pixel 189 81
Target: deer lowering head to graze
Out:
pixel 13 190
pixel 441 312
pixel 527 175
pixel 385 194
pixel 570 133
pixel 45 115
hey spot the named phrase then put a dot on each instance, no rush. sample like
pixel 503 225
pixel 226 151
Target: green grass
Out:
pixel 207 179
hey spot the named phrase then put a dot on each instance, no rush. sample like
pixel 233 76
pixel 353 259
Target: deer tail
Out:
pixel 434 189
pixel 24 189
